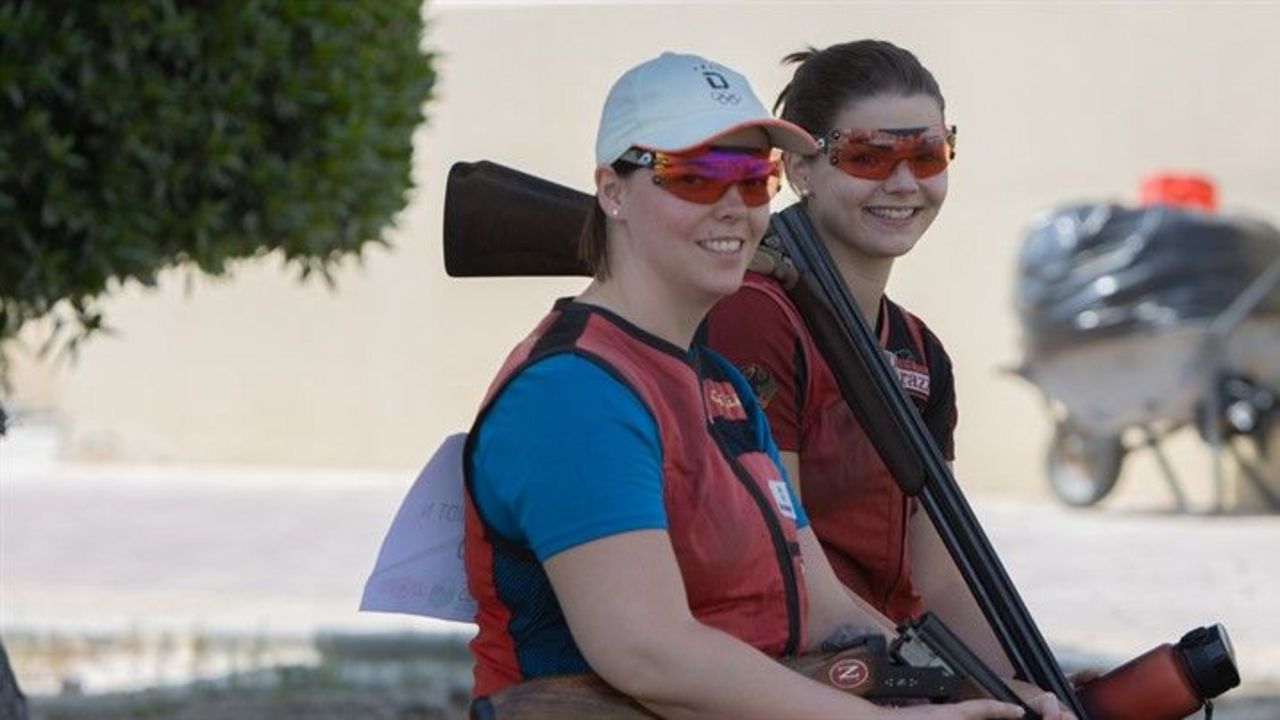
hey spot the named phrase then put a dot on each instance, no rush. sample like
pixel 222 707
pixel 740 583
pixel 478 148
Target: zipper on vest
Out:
pixel 781 548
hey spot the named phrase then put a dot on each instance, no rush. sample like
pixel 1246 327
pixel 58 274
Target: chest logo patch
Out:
pixel 913 376
pixel 782 498
pixel 762 383
pixel 916 382
pixel 723 401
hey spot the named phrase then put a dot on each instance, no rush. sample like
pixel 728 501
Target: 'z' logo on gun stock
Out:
pixel 849 673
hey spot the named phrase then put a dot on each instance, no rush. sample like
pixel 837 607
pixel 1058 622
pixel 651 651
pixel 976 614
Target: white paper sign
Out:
pixel 419 569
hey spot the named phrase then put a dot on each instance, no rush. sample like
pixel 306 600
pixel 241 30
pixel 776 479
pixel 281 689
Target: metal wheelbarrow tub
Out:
pixel 1133 318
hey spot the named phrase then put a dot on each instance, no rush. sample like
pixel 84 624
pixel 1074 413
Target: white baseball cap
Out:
pixel 675 102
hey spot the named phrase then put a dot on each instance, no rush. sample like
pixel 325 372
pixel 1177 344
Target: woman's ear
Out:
pixel 609 190
pixel 799 169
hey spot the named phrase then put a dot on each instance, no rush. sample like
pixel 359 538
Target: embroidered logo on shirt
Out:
pixel 762 383
pixel 913 376
pixel 782 498
pixel 723 401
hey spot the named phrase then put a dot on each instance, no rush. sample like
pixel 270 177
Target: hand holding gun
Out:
pixel 926 663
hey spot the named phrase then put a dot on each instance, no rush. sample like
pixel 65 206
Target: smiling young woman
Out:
pixel 875 185
pixel 878 184
pixel 684 226
pixel 872 189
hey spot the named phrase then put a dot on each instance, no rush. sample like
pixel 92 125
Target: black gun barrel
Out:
pixel 895 428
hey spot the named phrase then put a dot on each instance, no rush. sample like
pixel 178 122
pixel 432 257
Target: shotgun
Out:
pixel 921 665
pixel 501 222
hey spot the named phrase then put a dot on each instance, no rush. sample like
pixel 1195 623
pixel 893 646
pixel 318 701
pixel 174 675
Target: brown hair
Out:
pixel 827 80
pixel 591 240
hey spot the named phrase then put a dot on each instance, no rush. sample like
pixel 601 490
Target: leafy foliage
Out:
pixel 140 134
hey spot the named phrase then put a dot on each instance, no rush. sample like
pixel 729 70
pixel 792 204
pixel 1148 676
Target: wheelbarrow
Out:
pixel 1137 322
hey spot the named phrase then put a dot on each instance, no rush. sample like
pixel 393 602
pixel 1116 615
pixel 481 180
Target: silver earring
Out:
pixel 614 212
pixel 806 194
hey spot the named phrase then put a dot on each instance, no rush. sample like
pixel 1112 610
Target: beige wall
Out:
pixel 1055 102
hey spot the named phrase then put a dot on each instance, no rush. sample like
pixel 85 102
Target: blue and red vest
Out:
pixel 742 573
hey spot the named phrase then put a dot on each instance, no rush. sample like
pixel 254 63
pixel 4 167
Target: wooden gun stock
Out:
pixel 500 222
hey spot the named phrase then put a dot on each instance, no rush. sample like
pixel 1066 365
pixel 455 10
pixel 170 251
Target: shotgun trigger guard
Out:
pixel 927 635
pixel 914 670
pixel 913 650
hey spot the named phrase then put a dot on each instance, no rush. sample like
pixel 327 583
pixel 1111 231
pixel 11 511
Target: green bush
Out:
pixel 141 134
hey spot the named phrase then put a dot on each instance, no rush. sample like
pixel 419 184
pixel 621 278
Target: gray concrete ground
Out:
pixel 1109 585
pixel 287 552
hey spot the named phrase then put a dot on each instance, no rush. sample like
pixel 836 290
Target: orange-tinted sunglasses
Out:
pixel 873 154
pixel 704 175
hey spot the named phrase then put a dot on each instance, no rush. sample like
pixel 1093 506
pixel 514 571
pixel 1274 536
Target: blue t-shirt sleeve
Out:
pixel 567 454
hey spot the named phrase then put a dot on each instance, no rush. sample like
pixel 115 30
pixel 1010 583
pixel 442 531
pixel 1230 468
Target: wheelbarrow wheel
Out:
pixel 1083 468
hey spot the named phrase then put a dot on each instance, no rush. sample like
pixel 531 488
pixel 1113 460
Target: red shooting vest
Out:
pixel 737 549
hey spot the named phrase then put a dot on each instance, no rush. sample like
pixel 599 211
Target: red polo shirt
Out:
pixel 853 503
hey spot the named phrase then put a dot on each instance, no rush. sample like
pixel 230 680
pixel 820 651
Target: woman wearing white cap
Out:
pixel 627 513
